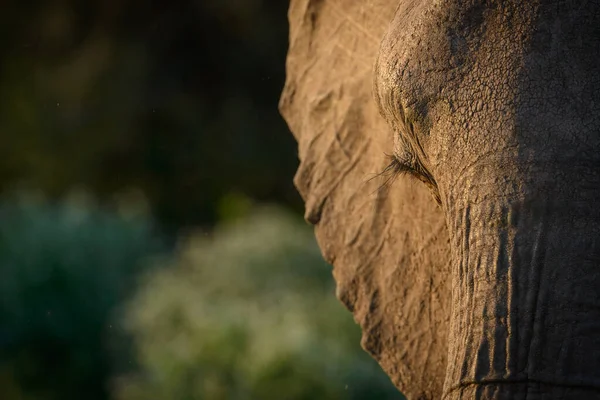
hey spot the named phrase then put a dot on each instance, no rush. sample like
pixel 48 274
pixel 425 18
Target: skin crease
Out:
pixel 495 106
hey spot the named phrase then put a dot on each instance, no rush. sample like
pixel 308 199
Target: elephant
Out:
pixel 450 163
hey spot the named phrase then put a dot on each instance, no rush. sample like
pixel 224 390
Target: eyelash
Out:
pixel 393 170
pixel 396 168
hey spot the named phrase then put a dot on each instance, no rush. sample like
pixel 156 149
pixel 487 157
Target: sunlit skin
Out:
pixel 494 260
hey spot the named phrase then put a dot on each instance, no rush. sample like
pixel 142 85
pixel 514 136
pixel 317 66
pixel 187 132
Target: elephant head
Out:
pixel 483 282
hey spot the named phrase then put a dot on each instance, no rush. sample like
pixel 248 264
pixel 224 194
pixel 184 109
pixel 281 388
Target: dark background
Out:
pixel 151 241
pixel 175 98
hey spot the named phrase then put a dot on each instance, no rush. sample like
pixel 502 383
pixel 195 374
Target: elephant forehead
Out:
pixel 389 247
pixel 427 56
pixel 448 75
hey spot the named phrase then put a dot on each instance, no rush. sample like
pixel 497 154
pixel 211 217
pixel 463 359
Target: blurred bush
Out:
pixel 248 313
pixel 64 268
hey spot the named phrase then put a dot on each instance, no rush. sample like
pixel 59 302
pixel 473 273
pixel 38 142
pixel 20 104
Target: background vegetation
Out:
pixel 136 260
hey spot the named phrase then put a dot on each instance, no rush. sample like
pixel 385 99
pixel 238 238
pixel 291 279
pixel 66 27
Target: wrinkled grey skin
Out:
pixel 495 106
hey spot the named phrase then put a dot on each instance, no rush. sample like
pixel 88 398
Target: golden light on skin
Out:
pixel 468 91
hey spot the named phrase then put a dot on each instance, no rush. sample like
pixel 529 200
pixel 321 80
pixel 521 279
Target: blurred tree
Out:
pixel 64 268
pixel 248 314
pixel 175 98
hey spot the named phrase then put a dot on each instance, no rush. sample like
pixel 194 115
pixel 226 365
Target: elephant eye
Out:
pixel 395 167
pixel 408 164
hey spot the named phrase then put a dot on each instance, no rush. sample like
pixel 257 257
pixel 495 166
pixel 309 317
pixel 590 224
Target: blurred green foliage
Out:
pixel 64 268
pixel 248 313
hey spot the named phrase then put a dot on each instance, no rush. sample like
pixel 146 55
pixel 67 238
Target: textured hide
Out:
pixel 389 247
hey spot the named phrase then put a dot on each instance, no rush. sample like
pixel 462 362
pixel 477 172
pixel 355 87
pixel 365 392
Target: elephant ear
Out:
pixel 389 246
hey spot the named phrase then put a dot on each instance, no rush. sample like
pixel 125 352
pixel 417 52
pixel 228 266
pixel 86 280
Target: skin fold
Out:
pixel 474 269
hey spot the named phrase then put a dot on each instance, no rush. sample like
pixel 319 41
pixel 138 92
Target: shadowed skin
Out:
pixel 495 106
